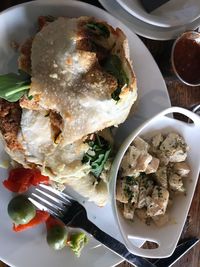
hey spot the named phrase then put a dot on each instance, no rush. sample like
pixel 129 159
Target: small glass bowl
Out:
pixel 192 35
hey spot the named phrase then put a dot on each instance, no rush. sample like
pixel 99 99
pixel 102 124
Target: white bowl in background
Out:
pixel 146 29
pixel 171 14
pixel 166 236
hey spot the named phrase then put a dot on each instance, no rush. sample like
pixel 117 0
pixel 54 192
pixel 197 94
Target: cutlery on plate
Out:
pixel 73 214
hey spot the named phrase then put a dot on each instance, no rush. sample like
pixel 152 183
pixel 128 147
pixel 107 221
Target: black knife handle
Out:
pixel 114 245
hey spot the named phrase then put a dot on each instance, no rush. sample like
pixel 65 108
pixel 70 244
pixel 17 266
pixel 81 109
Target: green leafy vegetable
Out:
pixel 97 155
pixel 77 242
pixel 13 86
pixel 116 93
pixel 30 97
pixel 99 29
pixel 113 65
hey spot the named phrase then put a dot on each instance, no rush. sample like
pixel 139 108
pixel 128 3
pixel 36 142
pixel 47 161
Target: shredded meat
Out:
pixel 88 44
pixel 96 77
pixel 44 21
pixel 88 41
pixel 56 123
pixel 30 103
pixel 10 117
pixel 24 60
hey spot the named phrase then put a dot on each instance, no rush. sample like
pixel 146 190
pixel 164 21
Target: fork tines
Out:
pixel 47 198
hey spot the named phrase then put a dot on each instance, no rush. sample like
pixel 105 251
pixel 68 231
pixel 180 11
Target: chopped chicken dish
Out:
pixel 151 173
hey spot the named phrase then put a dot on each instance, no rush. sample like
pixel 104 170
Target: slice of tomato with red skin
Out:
pixel 40 217
pixel 52 221
pixel 20 179
pixel 38 178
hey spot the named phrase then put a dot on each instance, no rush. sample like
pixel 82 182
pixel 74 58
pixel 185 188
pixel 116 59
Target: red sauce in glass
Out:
pixel 187 60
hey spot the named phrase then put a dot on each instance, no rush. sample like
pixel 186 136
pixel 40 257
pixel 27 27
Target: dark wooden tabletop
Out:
pixel 180 95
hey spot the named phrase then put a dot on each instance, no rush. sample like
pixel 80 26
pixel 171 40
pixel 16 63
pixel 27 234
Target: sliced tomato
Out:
pixel 52 221
pixel 38 178
pixel 20 179
pixel 40 217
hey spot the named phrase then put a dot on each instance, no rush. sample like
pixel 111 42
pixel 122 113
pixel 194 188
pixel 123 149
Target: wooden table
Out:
pixel 180 95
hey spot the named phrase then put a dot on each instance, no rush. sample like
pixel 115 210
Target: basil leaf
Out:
pixel 116 93
pixel 97 155
pixel 30 97
pixel 99 29
pixel 113 65
pixel 13 86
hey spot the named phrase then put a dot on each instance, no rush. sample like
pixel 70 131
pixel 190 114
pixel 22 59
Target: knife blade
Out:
pixel 180 250
pixel 149 6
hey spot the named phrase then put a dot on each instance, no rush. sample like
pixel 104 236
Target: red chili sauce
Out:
pixel 187 60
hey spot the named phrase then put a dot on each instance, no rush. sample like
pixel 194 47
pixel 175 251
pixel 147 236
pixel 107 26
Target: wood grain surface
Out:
pixel 180 95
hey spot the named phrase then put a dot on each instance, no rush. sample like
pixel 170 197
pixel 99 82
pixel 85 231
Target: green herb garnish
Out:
pixel 97 154
pixel 116 93
pixel 99 29
pixel 130 180
pixel 13 86
pixel 30 97
pixel 128 192
pixel 113 65
pixel 77 242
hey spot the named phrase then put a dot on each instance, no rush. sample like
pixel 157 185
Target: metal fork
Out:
pixel 73 214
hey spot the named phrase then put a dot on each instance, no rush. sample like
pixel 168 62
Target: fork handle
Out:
pixel 114 245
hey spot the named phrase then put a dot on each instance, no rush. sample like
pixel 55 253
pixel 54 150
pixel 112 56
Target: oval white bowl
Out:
pixel 167 236
pixel 172 14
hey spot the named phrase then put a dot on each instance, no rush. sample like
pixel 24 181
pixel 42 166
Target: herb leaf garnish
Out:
pixel 97 154
pixel 99 29
pixel 113 65
pixel 13 86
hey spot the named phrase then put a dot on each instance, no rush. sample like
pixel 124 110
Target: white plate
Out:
pixel 172 13
pixel 30 248
pixel 145 29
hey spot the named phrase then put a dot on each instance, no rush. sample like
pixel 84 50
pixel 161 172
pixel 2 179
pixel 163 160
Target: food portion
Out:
pixel 21 210
pixel 152 172
pixel 20 179
pixel 77 241
pixel 25 216
pixel 56 233
pixel 75 81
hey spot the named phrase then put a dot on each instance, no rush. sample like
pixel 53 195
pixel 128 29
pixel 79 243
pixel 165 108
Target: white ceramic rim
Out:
pixel 148 253
pixel 145 29
pixel 153 19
